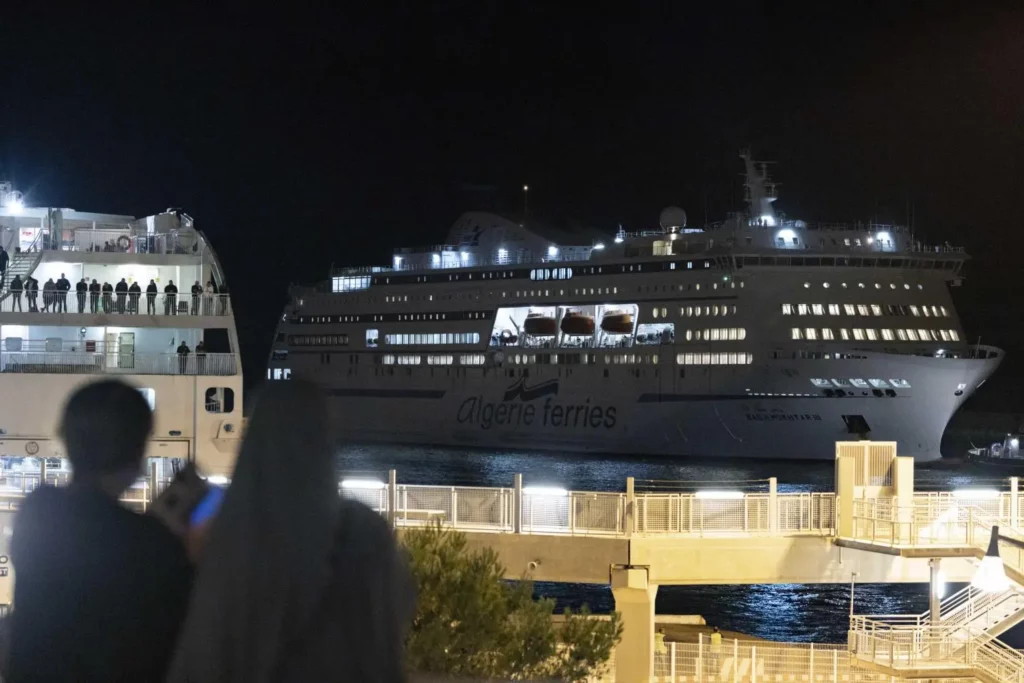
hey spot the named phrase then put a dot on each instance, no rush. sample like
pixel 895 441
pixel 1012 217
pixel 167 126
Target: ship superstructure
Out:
pixel 138 319
pixel 756 337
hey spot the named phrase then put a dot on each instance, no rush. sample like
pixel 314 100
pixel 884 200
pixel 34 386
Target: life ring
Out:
pixel 124 242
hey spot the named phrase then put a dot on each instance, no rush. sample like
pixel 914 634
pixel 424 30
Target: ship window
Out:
pixel 825 285
pixel 796 333
pixel 696 311
pixel 859 383
pixel 900 383
pixel 846 241
pixel 858 334
pixel 936 312
pixel 860 285
pixel 901 334
pixel 856 241
pixel 923 334
pixel 876 309
pixel 807 285
pixel 892 285
pixel 222 399
pixel 826 333
pixel 872 334
pixel 821 383
pixel 372 337
pixel 841 382
pixel 801 309
pixel 714 310
pixel 664 312
pixel 844 333
pixel 912 334
pixel 887 334
pixel 818 309
pixel 954 336
pixel 833 309
pixel 811 333
pixel 878 383
pixel 849 309
pixel 926 312
pixel 655 312
pixel 914 311
pixel 787 309
pixel 906 286
pixel 944 335
pixel 689 335
pixel 862 309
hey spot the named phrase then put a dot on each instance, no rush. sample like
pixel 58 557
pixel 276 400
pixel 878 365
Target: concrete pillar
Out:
pixel 903 497
pixel 517 504
pixel 393 498
pixel 846 476
pixel 1014 502
pixel 634 600
pixel 773 504
pixel 934 601
pixel 630 517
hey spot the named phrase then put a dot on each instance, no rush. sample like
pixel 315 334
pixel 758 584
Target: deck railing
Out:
pixel 114 304
pixel 83 363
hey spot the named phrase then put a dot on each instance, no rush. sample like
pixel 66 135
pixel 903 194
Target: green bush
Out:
pixel 472 623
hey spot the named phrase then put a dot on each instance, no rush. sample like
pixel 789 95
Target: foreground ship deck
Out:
pixel 53 342
pixel 756 337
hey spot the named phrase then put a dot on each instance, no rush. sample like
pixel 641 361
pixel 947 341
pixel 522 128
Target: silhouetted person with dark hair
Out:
pixel 63 287
pixel 151 292
pixel 183 352
pixel 170 299
pixel 94 296
pixel 101 590
pixel 121 289
pixel 108 298
pixel 81 287
pixel 134 293
pixel 17 287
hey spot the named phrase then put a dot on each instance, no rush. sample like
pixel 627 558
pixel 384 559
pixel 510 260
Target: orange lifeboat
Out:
pixel 577 324
pixel 540 325
pixel 617 322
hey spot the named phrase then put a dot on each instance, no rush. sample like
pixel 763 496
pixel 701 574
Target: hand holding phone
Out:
pixel 176 503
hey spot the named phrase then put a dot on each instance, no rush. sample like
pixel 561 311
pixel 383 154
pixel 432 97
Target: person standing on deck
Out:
pixel 197 291
pixel 183 352
pixel 223 292
pixel 4 258
pixel 49 295
pixel 151 292
pixel 200 358
pixel 81 287
pixel 94 296
pixel 134 292
pixel 32 287
pixel 108 298
pixel 17 286
pixel 171 299
pixel 63 287
pixel 121 289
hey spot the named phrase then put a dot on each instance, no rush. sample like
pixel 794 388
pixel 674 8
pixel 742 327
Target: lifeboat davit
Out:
pixel 617 322
pixel 540 325
pixel 577 324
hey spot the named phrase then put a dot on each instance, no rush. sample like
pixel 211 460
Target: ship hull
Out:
pixel 711 412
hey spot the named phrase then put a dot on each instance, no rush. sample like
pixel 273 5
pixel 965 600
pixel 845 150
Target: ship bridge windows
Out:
pixel 349 284
pixel 433 338
pixel 714 359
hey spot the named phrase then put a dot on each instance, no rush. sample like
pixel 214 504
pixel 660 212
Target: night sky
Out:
pixel 299 141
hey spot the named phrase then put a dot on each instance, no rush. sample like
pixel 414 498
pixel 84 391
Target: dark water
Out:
pixel 784 612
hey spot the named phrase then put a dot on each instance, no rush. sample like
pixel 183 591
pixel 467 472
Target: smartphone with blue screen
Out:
pixel 207 507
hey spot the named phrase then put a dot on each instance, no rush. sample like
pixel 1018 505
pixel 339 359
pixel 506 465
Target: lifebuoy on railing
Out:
pixel 124 243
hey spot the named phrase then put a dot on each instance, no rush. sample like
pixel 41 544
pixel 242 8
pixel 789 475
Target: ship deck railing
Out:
pixel 127 239
pixel 112 304
pixel 117 363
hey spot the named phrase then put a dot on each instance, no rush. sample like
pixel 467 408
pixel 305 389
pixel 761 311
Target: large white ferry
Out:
pixel 53 337
pixel 756 337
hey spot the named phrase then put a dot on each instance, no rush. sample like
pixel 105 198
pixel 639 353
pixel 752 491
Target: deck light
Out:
pixel 720 495
pixel 552 251
pixel 362 484
pixel 552 491
pixel 599 246
pixel 991 577
pixel 218 480
pixel 976 494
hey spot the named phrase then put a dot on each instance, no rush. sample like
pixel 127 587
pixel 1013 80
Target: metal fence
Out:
pixel 590 513
pixel 112 303
pixel 82 363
